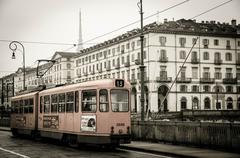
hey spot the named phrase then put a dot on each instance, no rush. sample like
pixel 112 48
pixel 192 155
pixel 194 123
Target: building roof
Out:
pixel 182 26
pixel 65 54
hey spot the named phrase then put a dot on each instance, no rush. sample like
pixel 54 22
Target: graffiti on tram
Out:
pixel 50 122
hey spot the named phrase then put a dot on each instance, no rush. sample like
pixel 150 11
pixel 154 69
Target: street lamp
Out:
pixel 13 46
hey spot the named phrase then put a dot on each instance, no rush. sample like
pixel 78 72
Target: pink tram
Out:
pixel 94 112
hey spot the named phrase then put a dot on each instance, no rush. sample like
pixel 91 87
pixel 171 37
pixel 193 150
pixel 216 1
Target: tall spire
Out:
pixel 80 46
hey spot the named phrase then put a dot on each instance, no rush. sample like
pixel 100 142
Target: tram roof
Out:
pixel 104 83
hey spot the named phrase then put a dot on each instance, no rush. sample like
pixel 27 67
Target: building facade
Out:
pixel 59 72
pixel 179 74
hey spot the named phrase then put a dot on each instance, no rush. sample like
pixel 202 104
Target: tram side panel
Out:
pixel 24 114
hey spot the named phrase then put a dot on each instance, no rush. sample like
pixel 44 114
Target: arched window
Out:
pixel 195 103
pixel 162 91
pixel 183 103
pixel 229 103
pixel 207 104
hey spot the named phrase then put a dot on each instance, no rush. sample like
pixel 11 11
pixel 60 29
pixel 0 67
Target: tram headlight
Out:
pixel 112 130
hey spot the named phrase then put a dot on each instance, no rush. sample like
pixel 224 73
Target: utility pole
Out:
pixel 142 63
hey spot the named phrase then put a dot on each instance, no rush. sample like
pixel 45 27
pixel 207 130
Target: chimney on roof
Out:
pixel 234 22
pixel 165 20
pixel 202 22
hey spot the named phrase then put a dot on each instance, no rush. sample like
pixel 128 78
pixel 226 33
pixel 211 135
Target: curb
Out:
pixel 5 129
pixel 156 152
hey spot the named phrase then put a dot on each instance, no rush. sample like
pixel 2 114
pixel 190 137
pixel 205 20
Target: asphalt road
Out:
pixel 11 147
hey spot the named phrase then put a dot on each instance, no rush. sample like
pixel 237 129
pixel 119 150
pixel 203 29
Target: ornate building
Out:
pixel 208 80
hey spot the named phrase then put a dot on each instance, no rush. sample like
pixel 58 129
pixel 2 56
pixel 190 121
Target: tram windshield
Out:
pixel 119 100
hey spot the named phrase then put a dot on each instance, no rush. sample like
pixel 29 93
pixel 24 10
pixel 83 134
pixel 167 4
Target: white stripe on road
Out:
pixel 140 152
pixel 12 152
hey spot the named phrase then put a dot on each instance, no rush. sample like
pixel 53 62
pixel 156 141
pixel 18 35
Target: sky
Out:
pixel 57 21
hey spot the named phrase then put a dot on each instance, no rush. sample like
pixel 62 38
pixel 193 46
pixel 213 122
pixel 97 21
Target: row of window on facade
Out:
pixel 205 42
pixel 207 88
pixel 109 52
pixel 125 61
pixel 207 103
pixel 205 74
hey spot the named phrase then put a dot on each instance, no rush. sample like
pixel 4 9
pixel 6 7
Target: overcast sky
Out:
pixel 57 21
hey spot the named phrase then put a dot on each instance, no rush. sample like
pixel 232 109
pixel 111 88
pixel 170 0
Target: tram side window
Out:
pixel 62 102
pixel 41 104
pixel 89 101
pixel 119 100
pixel 26 105
pixel 54 103
pixel 69 102
pixel 30 105
pixel 103 100
pixel 46 104
pixel 21 106
pixel 14 108
pixel 76 101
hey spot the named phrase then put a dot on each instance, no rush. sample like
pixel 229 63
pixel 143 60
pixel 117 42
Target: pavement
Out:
pixel 172 150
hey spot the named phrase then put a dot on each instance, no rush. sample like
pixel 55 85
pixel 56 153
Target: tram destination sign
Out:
pixel 119 83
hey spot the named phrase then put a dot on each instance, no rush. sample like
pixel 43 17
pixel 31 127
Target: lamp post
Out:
pixel 142 62
pixel 13 46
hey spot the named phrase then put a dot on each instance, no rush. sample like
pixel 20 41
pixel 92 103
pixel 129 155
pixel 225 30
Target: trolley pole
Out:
pixel 142 64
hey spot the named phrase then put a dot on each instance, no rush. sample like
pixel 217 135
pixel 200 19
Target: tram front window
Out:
pixel 119 100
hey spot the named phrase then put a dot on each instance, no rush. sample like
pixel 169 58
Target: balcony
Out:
pixel 137 62
pixel 164 79
pixel 217 61
pixel 85 73
pixel 194 60
pixel 108 68
pixel 230 80
pixel 100 70
pixel 92 72
pixel 133 81
pixel 184 80
pixel 207 80
pixel 117 66
pixel 163 59
pixel 127 64
pixel 238 62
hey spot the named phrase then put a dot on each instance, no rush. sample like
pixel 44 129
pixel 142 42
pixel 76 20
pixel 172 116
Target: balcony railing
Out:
pixel 85 73
pixel 117 66
pixel 207 80
pixel 217 61
pixel 92 72
pixel 163 59
pixel 100 70
pixel 230 80
pixel 164 79
pixel 108 68
pixel 194 60
pixel 237 62
pixel 133 81
pixel 184 80
pixel 127 64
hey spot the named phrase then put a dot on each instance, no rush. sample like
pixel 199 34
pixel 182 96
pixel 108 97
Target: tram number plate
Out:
pixel 119 83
